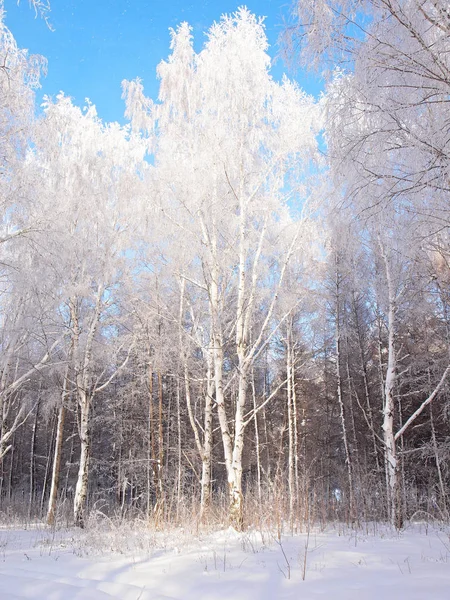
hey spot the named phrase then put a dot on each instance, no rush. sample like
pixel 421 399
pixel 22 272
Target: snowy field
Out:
pixel 340 564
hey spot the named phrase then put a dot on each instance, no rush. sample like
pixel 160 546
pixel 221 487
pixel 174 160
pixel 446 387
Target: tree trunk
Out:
pixel 257 442
pixel 151 452
pixel 391 463
pixel 438 462
pixel 207 442
pixel 348 460
pixel 218 381
pixel 51 512
pixel 290 403
pixel 363 366
pixel 48 462
pixel 160 500
pixel 236 509
pixel 32 458
pixel 83 470
pixel 179 452
pixel 85 395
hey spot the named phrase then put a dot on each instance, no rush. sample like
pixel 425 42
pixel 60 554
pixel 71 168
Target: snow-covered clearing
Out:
pixel 374 563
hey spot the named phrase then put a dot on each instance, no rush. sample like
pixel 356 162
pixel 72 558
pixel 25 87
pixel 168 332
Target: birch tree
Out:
pixel 387 110
pixel 238 138
pixel 390 99
pixel 31 339
pixel 84 168
pixel 19 77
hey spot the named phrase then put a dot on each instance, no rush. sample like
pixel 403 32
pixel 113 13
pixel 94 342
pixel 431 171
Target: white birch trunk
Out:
pixel 52 501
pixel 56 469
pixel 295 432
pixel 204 447
pixel 207 442
pixel 290 403
pixel 84 397
pixel 83 470
pixel 363 364
pixel 32 457
pixel 390 449
pixel 348 460
pixel 257 442
pixel 437 461
pixel 217 343
pixel 86 389
pixel 236 511
pixel 243 311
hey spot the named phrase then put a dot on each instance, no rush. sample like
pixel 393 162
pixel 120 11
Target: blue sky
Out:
pixel 95 44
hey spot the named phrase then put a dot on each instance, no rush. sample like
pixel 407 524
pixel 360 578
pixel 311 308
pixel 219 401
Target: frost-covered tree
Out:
pixel 19 77
pixel 388 107
pixel 24 347
pixel 230 145
pixel 386 130
pixel 84 170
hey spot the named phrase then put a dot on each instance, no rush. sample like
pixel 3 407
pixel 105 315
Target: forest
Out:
pixel 235 308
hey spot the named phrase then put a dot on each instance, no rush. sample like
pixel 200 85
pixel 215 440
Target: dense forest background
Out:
pixel 236 307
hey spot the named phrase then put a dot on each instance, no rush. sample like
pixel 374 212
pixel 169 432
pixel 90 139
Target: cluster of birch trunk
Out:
pixel 203 319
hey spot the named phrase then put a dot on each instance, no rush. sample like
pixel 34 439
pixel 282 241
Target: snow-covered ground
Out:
pixel 341 564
